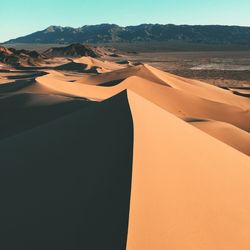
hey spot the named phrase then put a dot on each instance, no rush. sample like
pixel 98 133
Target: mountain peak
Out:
pixel 53 28
pixel 108 33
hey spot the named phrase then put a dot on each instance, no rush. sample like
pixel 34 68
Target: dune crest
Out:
pixel 199 203
pixel 89 64
pixel 170 93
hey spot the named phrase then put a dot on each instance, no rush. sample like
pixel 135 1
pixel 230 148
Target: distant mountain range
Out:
pixel 111 33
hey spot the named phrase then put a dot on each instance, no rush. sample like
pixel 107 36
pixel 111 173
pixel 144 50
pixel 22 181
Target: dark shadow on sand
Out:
pixel 111 83
pixel 26 76
pixel 16 85
pixel 66 184
pixel 241 94
pixel 20 112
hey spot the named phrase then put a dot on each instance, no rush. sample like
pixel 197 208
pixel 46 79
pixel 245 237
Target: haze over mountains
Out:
pixel 106 33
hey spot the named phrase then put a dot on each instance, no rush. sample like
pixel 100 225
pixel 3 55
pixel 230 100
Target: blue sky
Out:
pixel 21 17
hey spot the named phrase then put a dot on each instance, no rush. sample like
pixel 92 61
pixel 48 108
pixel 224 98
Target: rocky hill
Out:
pixel 77 50
pixel 22 57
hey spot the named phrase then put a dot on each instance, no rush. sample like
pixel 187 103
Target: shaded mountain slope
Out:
pixel 76 50
pixel 214 34
pixel 21 58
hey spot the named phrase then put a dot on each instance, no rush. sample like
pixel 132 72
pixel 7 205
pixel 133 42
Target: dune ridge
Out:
pixel 97 155
pixel 88 64
pixel 202 206
pixel 169 93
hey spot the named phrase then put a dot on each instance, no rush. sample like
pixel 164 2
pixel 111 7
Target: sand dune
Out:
pixel 24 111
pixel 174 100
pixel 190 86
pixel 122 74
pixel 89 65
pixel 201 89
pixel 185 195
pixel 73 140
pixel 57 193
pixel 241 91
pixel 227 133
pixel 93 62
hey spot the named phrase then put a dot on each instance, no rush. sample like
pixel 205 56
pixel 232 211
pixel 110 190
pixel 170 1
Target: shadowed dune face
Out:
pixel 69 142
pixel 20 112
pixel 57 193
pixel 19 81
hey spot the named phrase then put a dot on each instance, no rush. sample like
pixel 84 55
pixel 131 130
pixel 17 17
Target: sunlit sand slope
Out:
pixel 189 190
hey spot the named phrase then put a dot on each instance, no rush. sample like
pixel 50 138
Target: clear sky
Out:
pixel 21 17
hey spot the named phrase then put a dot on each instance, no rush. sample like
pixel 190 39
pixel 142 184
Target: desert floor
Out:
pixel 141 151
